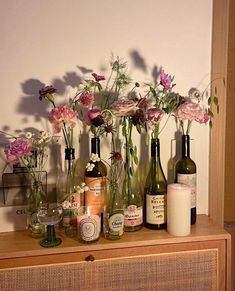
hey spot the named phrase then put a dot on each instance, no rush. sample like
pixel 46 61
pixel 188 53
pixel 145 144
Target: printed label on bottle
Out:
pixel 190 180
pixel 96 193
pixel 133 216
pixel 116 223
pixel 155 209
pixel 89 228
pixel 70 206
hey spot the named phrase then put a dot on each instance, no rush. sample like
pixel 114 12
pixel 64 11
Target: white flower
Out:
pixel 94 158
pixel 66 204
pixel 81 189
pixel 90 167
pixel 28 135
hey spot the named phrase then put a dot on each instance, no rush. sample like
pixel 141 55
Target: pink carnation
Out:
pixel 166 80
pixel 154 114
pixel 124 107
pixel 62 115
pixel 20 147
pixel 192 111
pixel 86 99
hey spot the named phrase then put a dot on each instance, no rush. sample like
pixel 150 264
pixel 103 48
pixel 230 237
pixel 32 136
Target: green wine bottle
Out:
pixel 186 173
pixel 155 191
pixel 96 179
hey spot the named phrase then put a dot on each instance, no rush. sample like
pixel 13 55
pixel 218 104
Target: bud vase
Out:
pixel 67 196
pixel 35 200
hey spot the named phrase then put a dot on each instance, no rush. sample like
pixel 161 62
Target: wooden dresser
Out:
pixel 145 260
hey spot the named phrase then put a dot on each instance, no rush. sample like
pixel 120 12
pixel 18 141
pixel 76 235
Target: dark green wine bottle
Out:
pixel 155 191
pixel 186 174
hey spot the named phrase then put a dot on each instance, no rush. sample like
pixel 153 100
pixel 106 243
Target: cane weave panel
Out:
pixel 182 271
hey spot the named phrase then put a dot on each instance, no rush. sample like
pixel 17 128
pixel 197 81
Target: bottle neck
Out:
pixel 69 154
pixel 186 146
pixel 95 145
pixel 155 148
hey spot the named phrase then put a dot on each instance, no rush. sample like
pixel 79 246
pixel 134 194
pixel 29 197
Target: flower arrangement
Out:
pixel 192 109
pixel 63 117
pixel 30 151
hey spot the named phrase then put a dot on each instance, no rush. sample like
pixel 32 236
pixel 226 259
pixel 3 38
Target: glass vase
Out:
pixel 67 196
pixel 35 200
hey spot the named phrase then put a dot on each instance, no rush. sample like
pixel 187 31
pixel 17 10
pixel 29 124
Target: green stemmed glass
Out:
pixel 50 214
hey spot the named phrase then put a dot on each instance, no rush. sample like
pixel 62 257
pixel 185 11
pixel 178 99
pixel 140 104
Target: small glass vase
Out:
pixel 35 200
pixel 67 196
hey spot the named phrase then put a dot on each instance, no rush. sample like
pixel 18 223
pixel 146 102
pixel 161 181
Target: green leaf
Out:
pixel 209 101
pixel 215 90
pixel 217 109
pixel 216 100
pixel 136 160
pixel 138 127
pixel 210 124
pixel 210 113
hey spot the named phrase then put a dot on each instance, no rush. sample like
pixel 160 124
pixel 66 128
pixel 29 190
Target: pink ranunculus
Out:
pixel 154 114
pixel 166 80
pixel 86 99
pixel 91 114
pixel 98 77
pixel 124 107
pixel 63 114
pixel 20 147
pixel 192 111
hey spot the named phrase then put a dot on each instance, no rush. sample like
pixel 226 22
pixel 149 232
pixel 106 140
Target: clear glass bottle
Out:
pixel 35 200
pixel 132 198
pixel 96 180
pixel 186 173
pixel 155 191
pixel 113 226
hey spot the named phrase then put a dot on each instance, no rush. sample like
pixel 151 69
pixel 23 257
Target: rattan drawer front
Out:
pixel 190 270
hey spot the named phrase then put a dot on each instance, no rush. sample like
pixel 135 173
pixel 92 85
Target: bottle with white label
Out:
pixel 96 178
pixel 113 227
pixel 186 173
pixel 155 191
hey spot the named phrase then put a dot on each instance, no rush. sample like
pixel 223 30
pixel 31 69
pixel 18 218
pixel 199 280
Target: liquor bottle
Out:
pixel 186 173
pixel 155 191
pixel 96 179
pixel 113 227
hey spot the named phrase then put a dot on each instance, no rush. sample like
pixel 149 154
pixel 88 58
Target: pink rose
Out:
pixel 86 99
pixel 166 80
pixel 192 111
pixel 124 107
pixel 154 114
pixel 20 147
pixel 62 115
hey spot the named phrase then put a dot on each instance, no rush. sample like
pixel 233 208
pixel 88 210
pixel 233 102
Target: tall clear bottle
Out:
pixel 186 173
pixel 155 191
pixel 131 191
pixel 96 179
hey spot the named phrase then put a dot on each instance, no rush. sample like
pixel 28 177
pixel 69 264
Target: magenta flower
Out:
pixel 98 77
pixel 86 99
pixel 62 115
pixel 93 113
pixel 166 80
pixel 192 111
pixel 154 114
pixel 17 149
pixel 124 107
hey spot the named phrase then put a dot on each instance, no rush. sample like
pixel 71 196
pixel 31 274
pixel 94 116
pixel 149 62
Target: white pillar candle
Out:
pixel 178 209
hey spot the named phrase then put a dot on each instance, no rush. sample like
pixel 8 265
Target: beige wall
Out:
pixel 46 41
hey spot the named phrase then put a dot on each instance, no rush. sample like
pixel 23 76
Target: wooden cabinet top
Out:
pixel 19 244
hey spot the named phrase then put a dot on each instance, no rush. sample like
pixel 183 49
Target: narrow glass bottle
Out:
pixel 96 179
pixel 113 227
pixel 155 191
pixel 132 198
pixel 186 173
